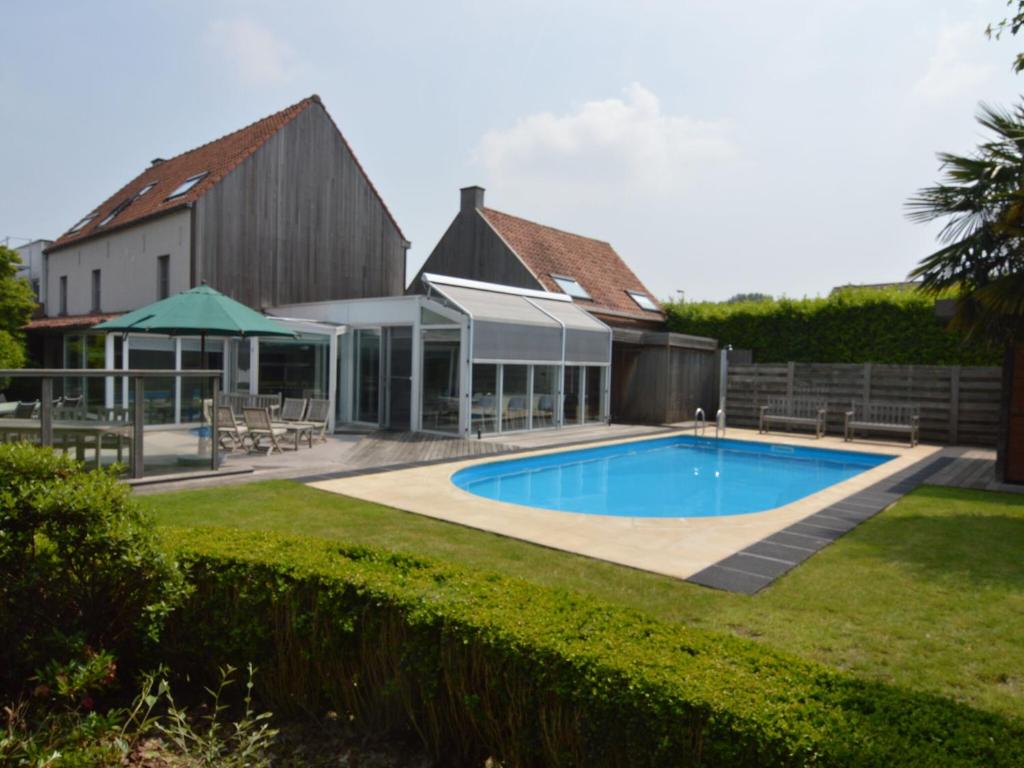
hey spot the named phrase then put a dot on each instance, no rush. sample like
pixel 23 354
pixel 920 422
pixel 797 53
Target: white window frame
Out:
pixel 574 289
pixel 640 298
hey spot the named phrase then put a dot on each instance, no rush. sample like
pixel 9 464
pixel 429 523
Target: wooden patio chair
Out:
pixel 293 409
pixel 259 427
pixel 317 414
pixel 25 410
pixel 230 434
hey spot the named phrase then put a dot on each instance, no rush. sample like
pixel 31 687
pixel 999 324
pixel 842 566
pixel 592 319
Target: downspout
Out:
pixel 192 259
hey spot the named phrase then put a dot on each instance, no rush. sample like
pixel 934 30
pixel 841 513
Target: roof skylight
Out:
pixel 145 189
pixel 82 224
pixel 117 209
pixel 571 286
pixel 643 301
pixel 186 185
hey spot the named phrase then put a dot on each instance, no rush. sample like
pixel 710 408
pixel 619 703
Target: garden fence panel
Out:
pixel 959 404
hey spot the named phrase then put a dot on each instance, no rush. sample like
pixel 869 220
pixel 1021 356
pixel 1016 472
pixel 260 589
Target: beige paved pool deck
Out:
pixel 678 547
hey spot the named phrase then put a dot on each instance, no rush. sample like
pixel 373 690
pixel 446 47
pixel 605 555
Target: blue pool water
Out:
pixel 682 476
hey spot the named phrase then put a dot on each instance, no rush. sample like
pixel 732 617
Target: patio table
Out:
pixel 79 431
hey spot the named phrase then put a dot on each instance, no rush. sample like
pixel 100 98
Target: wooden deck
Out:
pixel 386 449
pixel 972 468
pixel 371 451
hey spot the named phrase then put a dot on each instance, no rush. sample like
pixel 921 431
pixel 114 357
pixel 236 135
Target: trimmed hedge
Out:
pixel 852 326
pixel 477 664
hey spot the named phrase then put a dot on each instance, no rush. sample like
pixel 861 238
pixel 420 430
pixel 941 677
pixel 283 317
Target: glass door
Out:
pixel 367 376
pixel 399 377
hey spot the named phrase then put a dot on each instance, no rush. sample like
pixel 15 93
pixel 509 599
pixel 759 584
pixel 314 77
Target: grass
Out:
pixel 928 595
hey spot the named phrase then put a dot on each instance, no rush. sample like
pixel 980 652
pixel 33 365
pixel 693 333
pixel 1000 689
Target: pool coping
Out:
pixel 696 549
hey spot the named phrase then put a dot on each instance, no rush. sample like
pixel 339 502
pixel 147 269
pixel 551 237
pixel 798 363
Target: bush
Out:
pixel 852 326
pixel 79 565
pixel 477 664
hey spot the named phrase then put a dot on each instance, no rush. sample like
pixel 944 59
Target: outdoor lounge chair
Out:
pixel 259 428
pixel 230 434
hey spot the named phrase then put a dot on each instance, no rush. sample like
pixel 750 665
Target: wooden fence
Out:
pixel 959 404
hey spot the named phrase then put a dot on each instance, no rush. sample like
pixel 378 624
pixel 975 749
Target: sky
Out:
pixel 719 147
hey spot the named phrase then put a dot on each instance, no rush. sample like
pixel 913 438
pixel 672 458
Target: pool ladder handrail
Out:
pixel 720 423
pixel 700 420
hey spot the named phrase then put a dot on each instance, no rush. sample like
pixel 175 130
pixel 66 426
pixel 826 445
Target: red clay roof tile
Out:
pixel 67 322
pixel 593 263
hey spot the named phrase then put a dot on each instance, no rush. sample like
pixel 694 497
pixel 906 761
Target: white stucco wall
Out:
pixel 127 260
pixel 33 262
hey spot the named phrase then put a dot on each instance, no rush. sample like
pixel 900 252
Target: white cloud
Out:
pixel 256 54
pixel 954 67
pixel 604 151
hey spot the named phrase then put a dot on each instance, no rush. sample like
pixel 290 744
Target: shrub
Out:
pixel 79 565
pixel 852 326
pixel 477 664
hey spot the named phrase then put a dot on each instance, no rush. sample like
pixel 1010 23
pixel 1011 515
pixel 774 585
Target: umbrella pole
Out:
pixel 207 425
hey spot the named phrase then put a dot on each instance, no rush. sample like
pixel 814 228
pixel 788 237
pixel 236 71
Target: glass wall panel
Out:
pixel 514 397
pixel 484 406
pixel 194 391
pixel 154 354
pixel 95 359
pixel 239 374
pixel 545 395
pixel 367 394
pixel 73 358
pixel 294 368
pixel 592 406
pixel 441 380
pixel 399 382
pixel 571 396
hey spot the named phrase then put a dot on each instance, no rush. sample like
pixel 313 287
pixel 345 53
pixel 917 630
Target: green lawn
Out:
pixel 927 595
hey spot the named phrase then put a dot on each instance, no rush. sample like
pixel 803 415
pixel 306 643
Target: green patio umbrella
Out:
pixel 200 311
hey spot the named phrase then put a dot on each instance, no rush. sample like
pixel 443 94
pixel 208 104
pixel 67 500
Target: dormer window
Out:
pixel 571 286
pixel 145 189
pixel 643 301
pixel 186 185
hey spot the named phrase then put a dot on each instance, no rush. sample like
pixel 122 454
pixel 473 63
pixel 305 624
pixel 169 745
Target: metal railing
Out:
pixel 701 421
pixel 137 377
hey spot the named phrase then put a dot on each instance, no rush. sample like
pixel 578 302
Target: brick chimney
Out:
pixel 471 198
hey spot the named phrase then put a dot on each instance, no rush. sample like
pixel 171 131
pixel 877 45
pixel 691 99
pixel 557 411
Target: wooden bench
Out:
pixel 883 417
pixel 794 412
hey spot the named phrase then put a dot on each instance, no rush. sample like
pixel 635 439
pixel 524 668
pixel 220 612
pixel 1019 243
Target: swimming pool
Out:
pixel 681 476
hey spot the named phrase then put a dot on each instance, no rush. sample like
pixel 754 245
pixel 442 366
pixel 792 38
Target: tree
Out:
pixel 17 302
pixel 1012 24
pixel 981 199
pixel 741 298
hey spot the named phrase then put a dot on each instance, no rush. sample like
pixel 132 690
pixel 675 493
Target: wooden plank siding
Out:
pixel 298 221
pixel 471 248
pixel 959 405
pixel 662 384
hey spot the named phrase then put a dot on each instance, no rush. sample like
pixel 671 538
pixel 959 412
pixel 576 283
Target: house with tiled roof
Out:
pixel 656 376
pixel 277 212
pixel 485 244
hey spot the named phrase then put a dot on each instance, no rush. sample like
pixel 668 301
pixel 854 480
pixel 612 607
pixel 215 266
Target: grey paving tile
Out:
pixel 784 552
pixel 841 524
pixel 799 539
pixel 730 580
pixel 827 527
pixel 744 561
pixel 815 530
